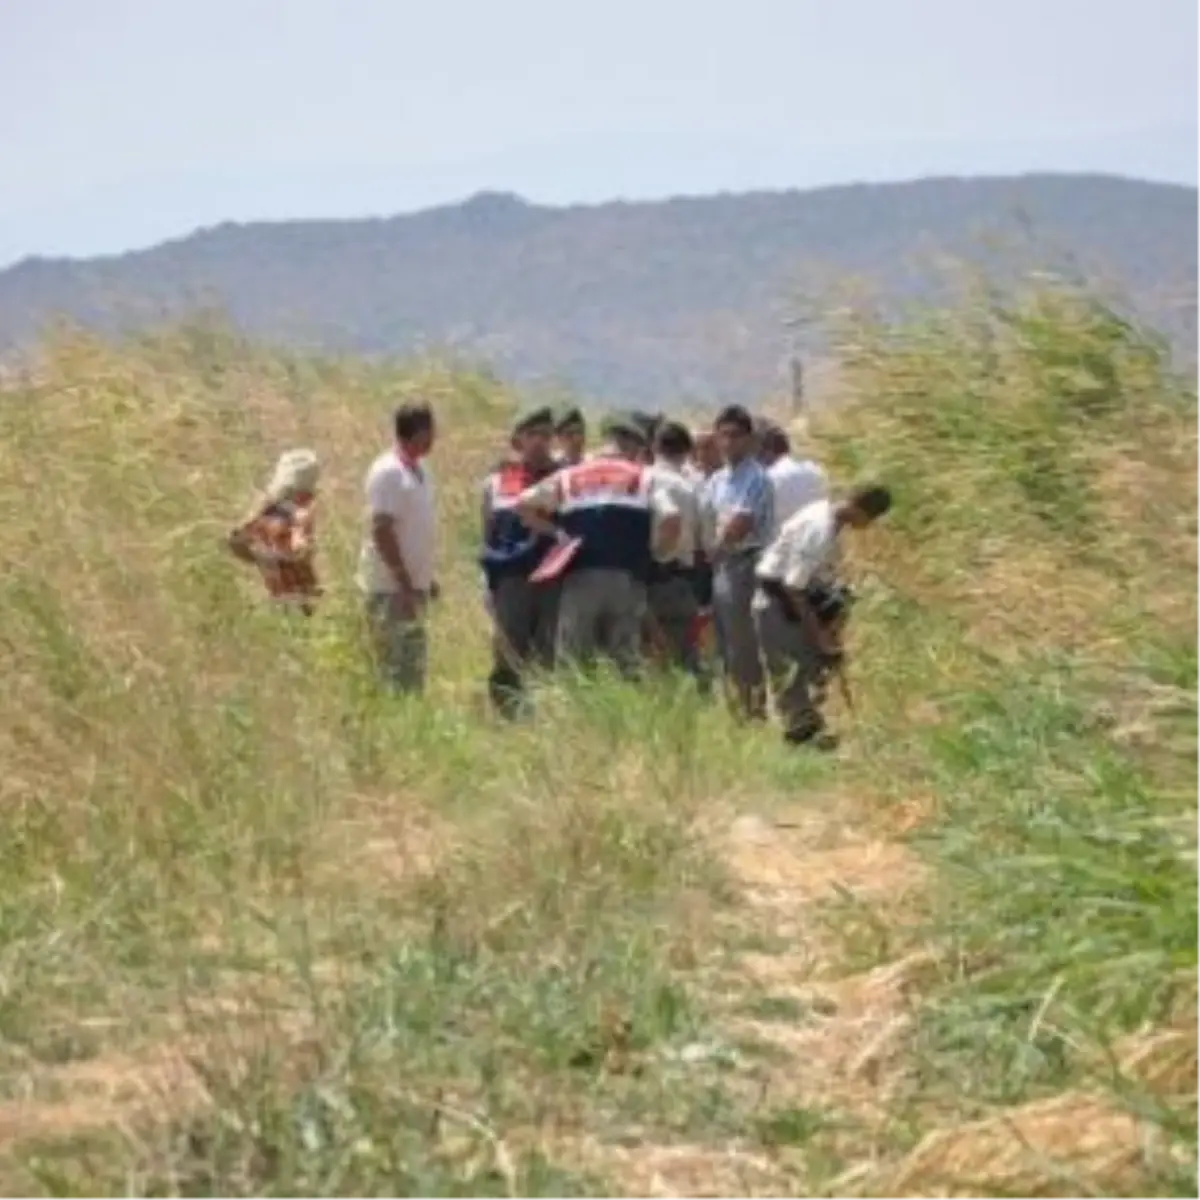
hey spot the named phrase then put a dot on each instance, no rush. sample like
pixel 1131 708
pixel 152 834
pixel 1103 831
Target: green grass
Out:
pixel 265 931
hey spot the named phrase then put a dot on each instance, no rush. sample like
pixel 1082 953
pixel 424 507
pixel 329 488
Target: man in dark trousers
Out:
pixel 739 522
pixel 799 606
pixel 524 614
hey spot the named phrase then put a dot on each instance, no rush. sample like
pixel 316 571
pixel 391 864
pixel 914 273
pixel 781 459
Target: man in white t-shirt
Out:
pixel 794 481
pixel 797 604
pixel 396 567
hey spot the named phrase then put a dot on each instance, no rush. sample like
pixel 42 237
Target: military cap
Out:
pixel 568 417
pixel 624 424
pixel 530 418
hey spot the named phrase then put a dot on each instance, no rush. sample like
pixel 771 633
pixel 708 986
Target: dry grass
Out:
pixel 264 931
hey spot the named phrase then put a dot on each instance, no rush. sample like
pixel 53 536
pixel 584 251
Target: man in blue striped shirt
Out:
pixel 740 519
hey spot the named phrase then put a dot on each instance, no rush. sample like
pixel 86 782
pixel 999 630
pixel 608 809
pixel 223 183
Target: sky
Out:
pixel 127 122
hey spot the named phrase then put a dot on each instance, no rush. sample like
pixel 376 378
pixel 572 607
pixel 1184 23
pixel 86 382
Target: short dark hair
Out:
pixel 412 420
pixel 737 416
pixel 649 423
pixel 674 439
pixel 774 440
pixel 872 500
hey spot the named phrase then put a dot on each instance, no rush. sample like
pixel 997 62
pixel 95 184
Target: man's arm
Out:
pixel 740 523
pixel 537 504
pixel 383 534
pixel 667 522
pixel 735 528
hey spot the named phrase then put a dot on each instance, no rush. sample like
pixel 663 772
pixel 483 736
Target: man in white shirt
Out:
pixel 674 599
pixel 396 566
pixel 794 481
pixel 798 604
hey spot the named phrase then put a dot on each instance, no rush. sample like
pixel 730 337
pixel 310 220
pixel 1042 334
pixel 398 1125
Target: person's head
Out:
pixel 295 478
pixel 773 444
pixel 533 434
pixel 649 424
pixel 570 430
pixel 864 506
pixel 415 429
pixel 734 430
pixel 706 454
pixel 626 436
pixel 673 443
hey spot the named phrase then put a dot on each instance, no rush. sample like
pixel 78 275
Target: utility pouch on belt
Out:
pixel 828 601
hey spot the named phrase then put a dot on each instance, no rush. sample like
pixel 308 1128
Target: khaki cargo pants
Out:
pixel 400 644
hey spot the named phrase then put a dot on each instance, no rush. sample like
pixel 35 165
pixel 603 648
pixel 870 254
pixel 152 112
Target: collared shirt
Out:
pixel 804 550
pixel 404 492
pixel 685 496
pixel 797 482
pixel 745 488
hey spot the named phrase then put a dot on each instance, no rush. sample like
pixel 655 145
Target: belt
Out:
pixel 742 552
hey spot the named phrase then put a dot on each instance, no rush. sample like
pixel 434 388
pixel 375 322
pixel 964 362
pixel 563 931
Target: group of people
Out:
pixel 627 550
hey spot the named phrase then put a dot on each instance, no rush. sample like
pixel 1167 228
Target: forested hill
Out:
pixel 658 301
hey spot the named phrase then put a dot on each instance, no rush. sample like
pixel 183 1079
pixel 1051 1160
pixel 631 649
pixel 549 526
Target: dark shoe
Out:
pixel 815 736
pixel 507 694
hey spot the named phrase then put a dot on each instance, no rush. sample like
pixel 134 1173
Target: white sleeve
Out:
pixel 662 503
pixel 801 559
pixel 386 489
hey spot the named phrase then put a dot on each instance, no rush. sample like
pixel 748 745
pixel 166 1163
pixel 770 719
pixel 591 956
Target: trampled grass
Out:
pixel 265 931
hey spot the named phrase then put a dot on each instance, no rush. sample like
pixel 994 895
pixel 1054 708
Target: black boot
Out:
pixel 506 692
pixel 811 733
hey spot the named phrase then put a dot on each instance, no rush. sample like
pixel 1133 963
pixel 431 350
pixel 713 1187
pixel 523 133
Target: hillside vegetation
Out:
pixel 264 931
pixel 650 303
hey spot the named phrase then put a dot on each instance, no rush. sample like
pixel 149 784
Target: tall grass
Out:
pixel 266 930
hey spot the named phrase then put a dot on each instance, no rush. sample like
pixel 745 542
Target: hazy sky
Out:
pixel 123 122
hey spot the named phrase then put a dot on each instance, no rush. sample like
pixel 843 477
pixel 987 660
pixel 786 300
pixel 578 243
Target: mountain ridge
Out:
pixel 687 295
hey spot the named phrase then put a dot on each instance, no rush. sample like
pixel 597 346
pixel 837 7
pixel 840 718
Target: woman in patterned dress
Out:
pixel 277 535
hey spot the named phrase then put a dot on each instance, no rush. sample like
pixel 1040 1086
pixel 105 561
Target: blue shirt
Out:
pixel 745 488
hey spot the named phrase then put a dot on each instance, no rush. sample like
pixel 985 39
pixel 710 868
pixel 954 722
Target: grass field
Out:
pixel 264 931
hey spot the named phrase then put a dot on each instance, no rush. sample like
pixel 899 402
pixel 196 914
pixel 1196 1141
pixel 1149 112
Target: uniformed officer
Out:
pixel 612 504
pixel 524 614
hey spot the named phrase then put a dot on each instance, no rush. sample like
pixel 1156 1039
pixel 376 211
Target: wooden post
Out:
pixel 797 385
